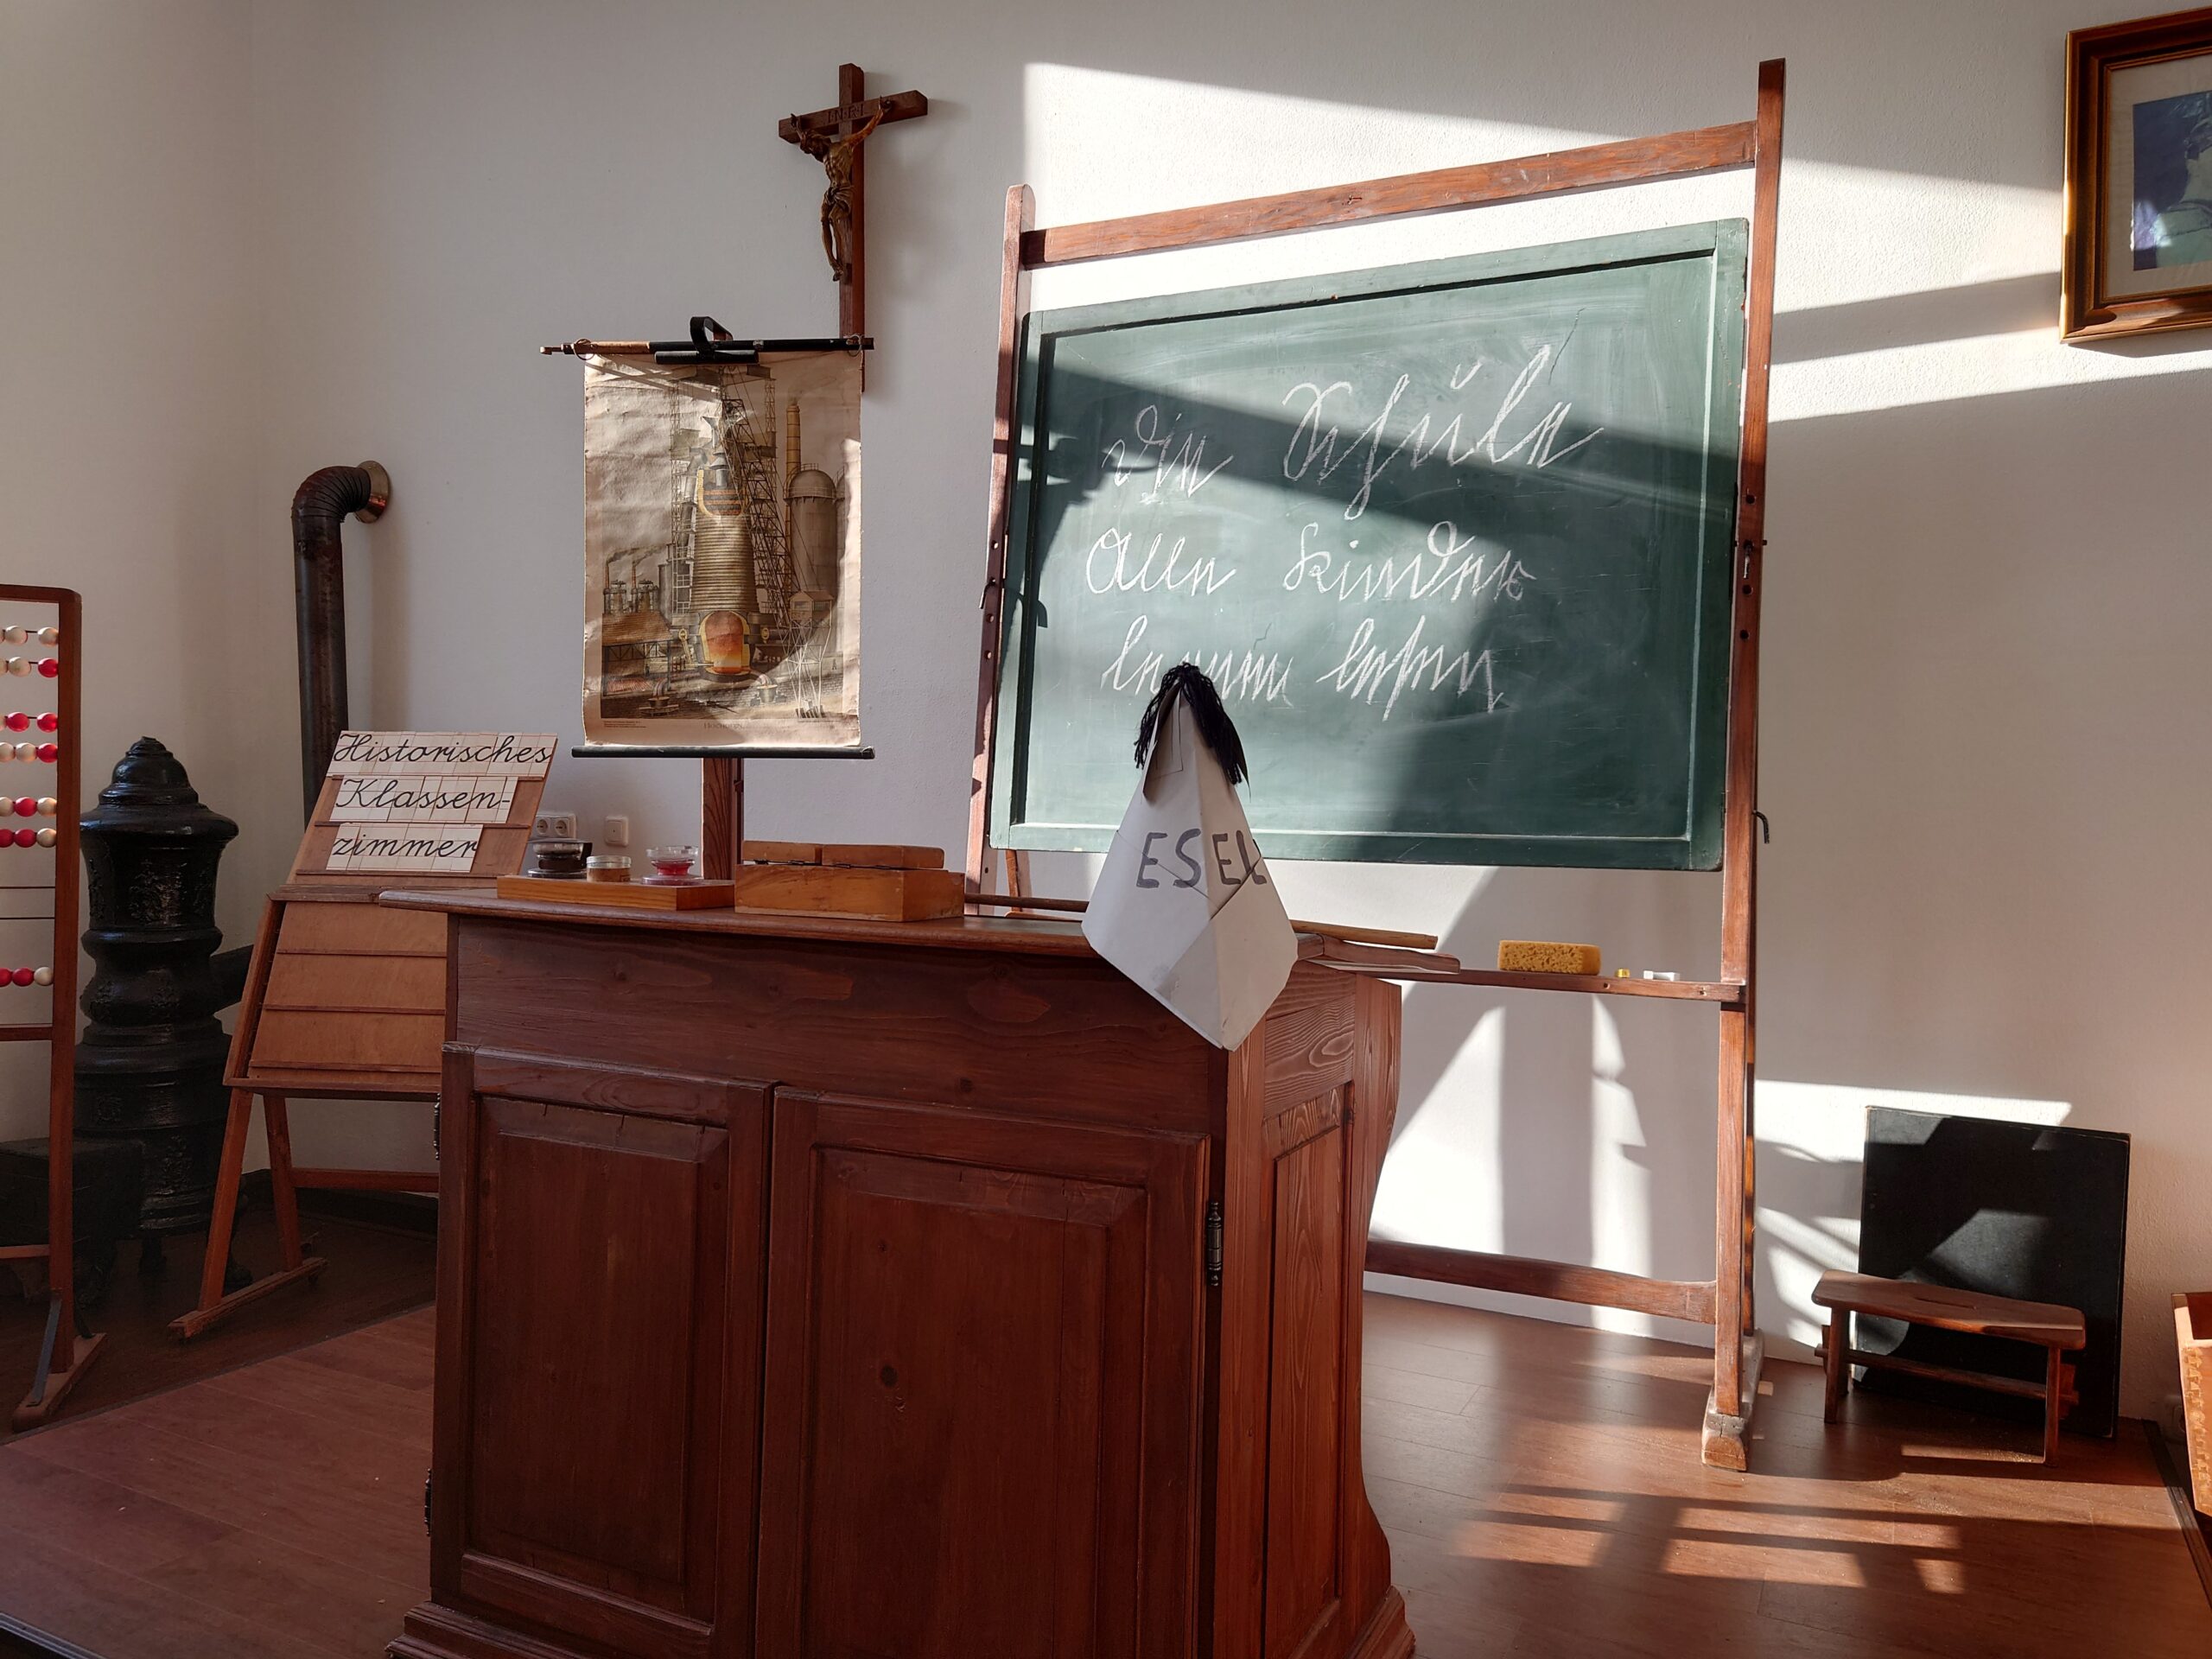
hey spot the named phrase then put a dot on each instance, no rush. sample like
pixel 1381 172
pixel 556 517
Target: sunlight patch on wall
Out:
pixel 1441 1182
pixel 1944 371
pixel 1941 275
pixel 1620 1180
pixel 1811 1155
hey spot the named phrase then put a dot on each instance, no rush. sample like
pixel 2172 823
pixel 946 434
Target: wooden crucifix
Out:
pixel 834 137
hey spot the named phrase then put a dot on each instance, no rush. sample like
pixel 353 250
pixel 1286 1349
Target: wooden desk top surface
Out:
pixel 1027 935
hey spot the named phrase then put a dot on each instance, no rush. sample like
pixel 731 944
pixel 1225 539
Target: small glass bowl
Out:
pixel 673 866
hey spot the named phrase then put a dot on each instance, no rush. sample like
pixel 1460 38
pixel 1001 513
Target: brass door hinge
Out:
pixel 1213 1244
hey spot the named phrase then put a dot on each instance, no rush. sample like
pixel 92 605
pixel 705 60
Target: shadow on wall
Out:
pixel 1983 754
pixel 1586 1124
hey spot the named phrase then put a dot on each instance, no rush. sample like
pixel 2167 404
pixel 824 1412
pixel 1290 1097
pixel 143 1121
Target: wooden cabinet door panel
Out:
pixel 1289 1359
pixel 1306 1464
pixel 982 1432
pixel 607 1246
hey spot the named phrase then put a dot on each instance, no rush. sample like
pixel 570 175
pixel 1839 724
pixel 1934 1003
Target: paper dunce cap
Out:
pixel 1186 906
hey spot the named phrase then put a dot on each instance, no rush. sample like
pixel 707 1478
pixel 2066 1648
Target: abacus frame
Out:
pixel 68 1349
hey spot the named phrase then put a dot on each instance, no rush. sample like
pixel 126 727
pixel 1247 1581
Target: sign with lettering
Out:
pixel 438 800
pixel 445 849
pixel 1183 905
pixel 443 755
pixel 427 804
pixel 1453 539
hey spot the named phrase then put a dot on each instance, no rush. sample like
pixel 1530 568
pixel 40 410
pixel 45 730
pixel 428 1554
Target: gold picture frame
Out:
pixel 2138 177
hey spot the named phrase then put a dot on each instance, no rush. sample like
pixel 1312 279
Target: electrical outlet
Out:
pixel 561 824
pixel 618 830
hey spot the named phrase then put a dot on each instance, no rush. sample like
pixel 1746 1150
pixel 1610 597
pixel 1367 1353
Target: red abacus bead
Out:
pixel 26 806
pixel 49 722
pixel 49 666
pixel 21 837
pixel 17 721
pixel 50 752
pixel 25 976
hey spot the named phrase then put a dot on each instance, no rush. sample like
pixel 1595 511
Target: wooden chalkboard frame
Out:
pixel 1724 1302
pixel 1719 243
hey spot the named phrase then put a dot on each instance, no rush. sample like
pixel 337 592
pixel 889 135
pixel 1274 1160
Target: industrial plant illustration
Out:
pixel 722 543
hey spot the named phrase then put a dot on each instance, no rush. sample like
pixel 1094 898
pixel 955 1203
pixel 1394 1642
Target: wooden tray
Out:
pixel 862 894
pixel 619 895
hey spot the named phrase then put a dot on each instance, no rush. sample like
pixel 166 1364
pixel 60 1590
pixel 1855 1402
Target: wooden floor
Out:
pixel 1541 1486
pixel 375 1272
pixel 1540 1483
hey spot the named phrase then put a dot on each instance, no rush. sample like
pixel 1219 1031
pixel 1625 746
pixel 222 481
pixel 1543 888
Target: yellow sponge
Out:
pixel 1539 957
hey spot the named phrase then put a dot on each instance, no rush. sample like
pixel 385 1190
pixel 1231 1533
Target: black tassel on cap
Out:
pixel 1188 681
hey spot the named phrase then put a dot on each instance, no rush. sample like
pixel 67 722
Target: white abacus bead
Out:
pixel 19 666
pixel 47 806
pixel 48 837
pixel 25 751
pixel 14 635
pixel 50 636
pixel 42 976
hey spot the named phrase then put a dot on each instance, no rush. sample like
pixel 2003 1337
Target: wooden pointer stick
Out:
pixel 1330 930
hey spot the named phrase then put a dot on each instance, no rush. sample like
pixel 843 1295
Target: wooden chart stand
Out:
pixel 721 793
pixel 67 1349
pixel 1725 1301
pixel 344 1000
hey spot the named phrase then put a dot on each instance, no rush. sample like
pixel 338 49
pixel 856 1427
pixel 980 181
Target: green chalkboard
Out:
pixel 1452 539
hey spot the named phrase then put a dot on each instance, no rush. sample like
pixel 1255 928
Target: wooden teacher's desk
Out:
pixel 918 1291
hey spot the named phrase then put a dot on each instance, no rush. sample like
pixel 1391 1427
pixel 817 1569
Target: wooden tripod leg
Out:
pixel 223 1220
pixel 51 1384
pixel 214 1306
pixel 284 1196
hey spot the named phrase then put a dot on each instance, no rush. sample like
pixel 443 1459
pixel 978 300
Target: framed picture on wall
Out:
pixel 2138 177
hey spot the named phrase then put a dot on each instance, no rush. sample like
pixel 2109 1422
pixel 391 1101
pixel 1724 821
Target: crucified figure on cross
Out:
pixel 837 157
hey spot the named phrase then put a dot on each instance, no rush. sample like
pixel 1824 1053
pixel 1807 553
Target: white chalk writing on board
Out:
pixel 1313 445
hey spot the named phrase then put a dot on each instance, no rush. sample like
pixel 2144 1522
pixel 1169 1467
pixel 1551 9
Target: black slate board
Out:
pixel 2017 1210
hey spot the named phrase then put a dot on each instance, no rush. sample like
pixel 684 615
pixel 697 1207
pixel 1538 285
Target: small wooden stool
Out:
pixel 2058 1329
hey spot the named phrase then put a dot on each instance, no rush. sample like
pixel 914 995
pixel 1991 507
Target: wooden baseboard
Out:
pixel 1387 1636
pixel 399 1212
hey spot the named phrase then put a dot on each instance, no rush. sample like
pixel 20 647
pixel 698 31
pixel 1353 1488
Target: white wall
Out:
pixel 1983 739
pixel 128 383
